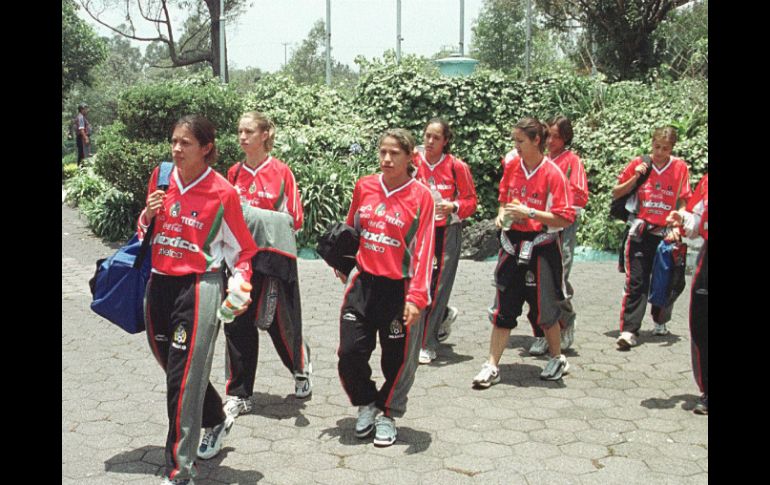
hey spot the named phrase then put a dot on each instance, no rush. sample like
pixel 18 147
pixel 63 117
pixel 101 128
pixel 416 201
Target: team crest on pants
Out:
pixel 529 279
pixel 180 338
pixel 396 329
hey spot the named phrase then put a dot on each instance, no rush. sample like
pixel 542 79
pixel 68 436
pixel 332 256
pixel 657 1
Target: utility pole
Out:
pixel 222 61
pixel 462 27
pixel 328 42
pixel 284 52
pixel 398 31
pixel 529 35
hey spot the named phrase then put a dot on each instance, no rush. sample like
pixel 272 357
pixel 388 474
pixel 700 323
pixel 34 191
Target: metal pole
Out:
pixel 529 35
pixel 462 27
pixel 284 52
pixel 222 63
pixel 328 42
pixel 398 31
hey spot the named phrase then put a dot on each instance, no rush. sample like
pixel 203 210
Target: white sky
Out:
pixel 365 27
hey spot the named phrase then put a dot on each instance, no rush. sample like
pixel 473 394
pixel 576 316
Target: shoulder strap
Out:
pixel 646 159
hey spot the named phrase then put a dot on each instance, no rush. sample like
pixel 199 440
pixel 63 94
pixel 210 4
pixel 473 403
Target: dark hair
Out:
pixel 405 140
pixel 264 124
pixel 532 127
pixel 203 131
pixel 668 133
pixel 563 126
pixel 446 131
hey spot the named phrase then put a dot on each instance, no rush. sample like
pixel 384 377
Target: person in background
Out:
pixel 394 214
pixel 667 188
pixel 199 227
pixel 451 183
pixel 264 182
pixel 694 219
pixel 559 137
pixel 534 206
pixel 83 128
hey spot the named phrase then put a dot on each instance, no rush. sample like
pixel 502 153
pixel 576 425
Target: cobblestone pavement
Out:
pixel 618 417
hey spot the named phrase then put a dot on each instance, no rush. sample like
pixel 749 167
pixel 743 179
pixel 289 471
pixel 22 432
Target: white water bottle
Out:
pixel 436 199
pixel 238 293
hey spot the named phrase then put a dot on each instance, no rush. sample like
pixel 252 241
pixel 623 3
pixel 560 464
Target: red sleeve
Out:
pixel 579 183
pixel 294 202
pixel 628 172
pixel 140 228
pixel 466 190
pixel 503 188
pixel 350 220
pixel 697 196
pixel 684 189
pixel 560 205
pixel 244 242
pixel 419 285
pixel 231 173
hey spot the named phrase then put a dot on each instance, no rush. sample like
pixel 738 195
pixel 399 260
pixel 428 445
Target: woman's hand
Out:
pixel 444 208
pixel 640 170
pixel 154 203
pixel 674 235
pixel 517 210
pixel 411 313
pixel 674 219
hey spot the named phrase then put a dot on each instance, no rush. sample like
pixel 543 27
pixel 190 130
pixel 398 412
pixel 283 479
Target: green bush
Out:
pixel 149 111
pixel 112 215
pixel 85 185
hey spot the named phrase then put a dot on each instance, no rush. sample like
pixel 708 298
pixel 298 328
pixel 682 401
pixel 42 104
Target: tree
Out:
pixel 81 49
pixel 307 64
pixel 199 42
pixel 681 42
pixel 618 33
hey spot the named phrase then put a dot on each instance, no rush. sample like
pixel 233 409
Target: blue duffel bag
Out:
pixel 119 283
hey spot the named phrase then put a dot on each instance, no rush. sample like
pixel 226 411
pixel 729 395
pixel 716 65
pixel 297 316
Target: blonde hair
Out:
pixel 264 124
pixel 665 133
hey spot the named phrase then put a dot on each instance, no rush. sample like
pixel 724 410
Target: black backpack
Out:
pixel 618 206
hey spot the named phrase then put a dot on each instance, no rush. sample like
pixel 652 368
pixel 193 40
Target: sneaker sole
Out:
pixel 365 434
pixel 382 443
pixel 485 385
pixel 623 345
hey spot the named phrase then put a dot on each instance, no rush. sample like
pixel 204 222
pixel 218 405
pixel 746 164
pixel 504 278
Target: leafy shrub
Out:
pixel 85 185
pixel 112 215
pixel 69 170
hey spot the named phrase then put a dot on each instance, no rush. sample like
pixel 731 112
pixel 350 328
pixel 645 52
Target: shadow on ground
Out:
pixel 415 441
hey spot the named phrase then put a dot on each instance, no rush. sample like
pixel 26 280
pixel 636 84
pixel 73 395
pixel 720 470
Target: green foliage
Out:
pixel 112 215
pixel 307 64
pixel 681 42
pixel 149 111
pixel 85 185
pixel 81 49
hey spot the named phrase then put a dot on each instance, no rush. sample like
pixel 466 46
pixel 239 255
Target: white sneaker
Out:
pixel 568 336
pixel 539 346
pixel 626 341
pixel 213 439
pixel 555 368
pixel 365 421
pixel 235 406
pixel 303 385
pixel 177 481
pixel 446 326
pixel 488 375
pixel 660 329
pixel 426 356
pixel 386 431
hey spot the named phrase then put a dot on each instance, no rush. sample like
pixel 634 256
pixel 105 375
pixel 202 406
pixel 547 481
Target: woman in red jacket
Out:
pixel 266 183
pixel 451 183
pixel 534 206
pixel 198 227
pixel 394 215
pixel 667 188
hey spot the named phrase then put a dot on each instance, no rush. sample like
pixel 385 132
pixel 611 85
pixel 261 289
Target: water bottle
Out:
pixel 236 298
pixel 507 219
pixel 436 199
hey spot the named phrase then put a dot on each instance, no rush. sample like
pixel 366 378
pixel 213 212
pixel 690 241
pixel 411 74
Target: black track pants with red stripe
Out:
pixel 639 258
pixel 699 320
pixel 375 305
pixel 180 312
pixel 447 244
pixel 274 299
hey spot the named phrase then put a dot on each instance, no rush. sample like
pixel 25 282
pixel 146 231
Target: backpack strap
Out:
pixel 164 177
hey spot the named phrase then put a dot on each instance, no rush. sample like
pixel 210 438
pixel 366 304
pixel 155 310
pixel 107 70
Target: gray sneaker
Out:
pixel 539 346
pixel 386 431
pixel 365 421
pixel 555 368
pixel 446 326
pixel 568 336
pixel 177 481
pixel 303 385
pixel 213 439
pixel 488 375
pixel 660 329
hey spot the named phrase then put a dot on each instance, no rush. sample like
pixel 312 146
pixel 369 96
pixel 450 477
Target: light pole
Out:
pixel 328 42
